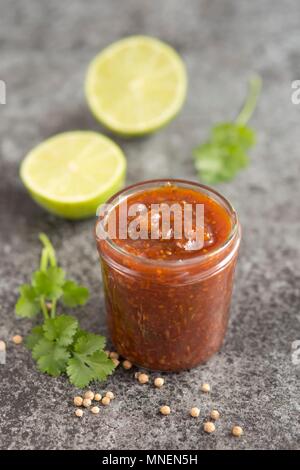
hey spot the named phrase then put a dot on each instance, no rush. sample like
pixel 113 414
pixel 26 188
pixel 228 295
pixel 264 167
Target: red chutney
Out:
pixel 167 299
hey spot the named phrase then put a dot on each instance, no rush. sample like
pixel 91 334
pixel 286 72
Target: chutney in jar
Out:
pixel 168 294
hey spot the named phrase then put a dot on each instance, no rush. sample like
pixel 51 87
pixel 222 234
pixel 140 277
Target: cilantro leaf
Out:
pixel 79 374
pixel 100 364
pixel 49 283
pixel 28 304
pixel 59 345
pixel 79 333
pixel 224 154
pixel 60 330
pixel 89 362
pixel 34 337
pixel 74 294
pixel 88 343
pixel 83 368
pixel 49 343
pixel 51 358
pixel 231 133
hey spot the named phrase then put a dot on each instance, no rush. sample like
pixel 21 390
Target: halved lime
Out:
pixel 136 85
pixel 70 174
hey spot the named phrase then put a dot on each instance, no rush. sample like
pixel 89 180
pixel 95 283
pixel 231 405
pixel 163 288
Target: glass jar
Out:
pixel 165 314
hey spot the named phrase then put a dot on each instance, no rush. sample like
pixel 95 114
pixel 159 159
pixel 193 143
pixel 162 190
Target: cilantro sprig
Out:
pixel 225 153
pixel 58 345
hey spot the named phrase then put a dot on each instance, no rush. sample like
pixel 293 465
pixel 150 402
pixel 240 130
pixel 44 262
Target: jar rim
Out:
pixel 150 184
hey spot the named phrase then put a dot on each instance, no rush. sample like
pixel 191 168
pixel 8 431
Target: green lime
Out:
pixel 70 174
pixel 136 85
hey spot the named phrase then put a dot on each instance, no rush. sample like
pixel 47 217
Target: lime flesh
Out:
pixel 72 173
pixel 136 85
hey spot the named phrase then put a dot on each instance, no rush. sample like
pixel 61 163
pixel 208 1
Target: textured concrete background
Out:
pixel 45 50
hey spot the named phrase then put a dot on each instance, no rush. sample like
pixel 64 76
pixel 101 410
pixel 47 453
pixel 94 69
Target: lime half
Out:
pixel 72 173
pixel 136 85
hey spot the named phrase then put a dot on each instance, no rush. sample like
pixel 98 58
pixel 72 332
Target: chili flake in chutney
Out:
pixel 168 300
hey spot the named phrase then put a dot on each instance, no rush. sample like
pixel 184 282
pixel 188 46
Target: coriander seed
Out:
pixel 158 382
pixel 205 388
pixel 143 378
pixel 215 415
pixel 114 355
pixel 17 339
pixel 89 394
pixel 79 413
pixel 165 410
pixel 237 431
pixel 127 364
pixel 195 412
pixel 97 397
pixel 78 401
pixel 105 401
pixel 95 410
pixel 110 395
pixel 87 402
pixel 209 427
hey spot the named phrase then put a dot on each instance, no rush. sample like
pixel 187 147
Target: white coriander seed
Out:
pixel 205 388
pixel 237 431
pixel 114 355
pixel 89 394
pixel 110 395
pixel 195 412
pixel 215 415
pixel 78 401
pixel 105 401
pixel 79 413
pixel 127 364
pixel 158 382
pixel 17 339
pixel 95 410
pixel 87 402
pixel 143 378
pixel 209 427
pixel 165 410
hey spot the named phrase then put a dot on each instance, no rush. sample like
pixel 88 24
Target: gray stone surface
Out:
pixel 45 50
